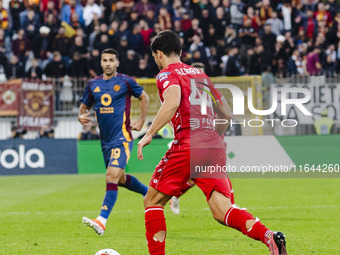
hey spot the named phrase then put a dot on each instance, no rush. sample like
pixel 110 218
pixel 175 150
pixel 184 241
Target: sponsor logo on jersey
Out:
pixel 162 74
pixel 116 88
pixel 165 84
pixel 97 89
pixel 163 78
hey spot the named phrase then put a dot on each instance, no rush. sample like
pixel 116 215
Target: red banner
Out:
pixel 36 107
pixel 10 97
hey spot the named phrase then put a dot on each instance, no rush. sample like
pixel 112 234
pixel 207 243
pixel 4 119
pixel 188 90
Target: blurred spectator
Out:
pixel 214 62
pixel 63 44
pixel 164 4
pixel 91 134
pixel 191 32
pixel 276 24
pixel 3 17
pixel 220 22
pixel 230 37
pixel 46 132
pixel 133 20
pixel 135 40
pixel 233 64
pixel 129 65
pixel 90 10
pixel 143 70
pixel 3 58
pixel 146 31
pixel 253 18
pixel 294 65
pixel 198 45
pixel 16 7
pixel 20 46
pixel 313 62
pixel 56 68
pixel 266 11
pixel 286 11
pixel 236 14
pixel 268 38
pixel 310 25
pixel 247 34
pixel 329 63
pixel 51 9
pixel 323 125
pixel 164 19
pixel 17 133
pixel 14 69
pixel 77 68
pixel 94 67
pixel 34 72
pixel 322 14
pixel 143 6
pixel 185 21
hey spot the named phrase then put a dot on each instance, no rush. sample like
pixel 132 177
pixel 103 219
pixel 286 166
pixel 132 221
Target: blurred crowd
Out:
pixel 54 38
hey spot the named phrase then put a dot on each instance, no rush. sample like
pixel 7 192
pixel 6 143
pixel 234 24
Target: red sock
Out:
pixel 154 222
pixel 185 188
pixel 236 218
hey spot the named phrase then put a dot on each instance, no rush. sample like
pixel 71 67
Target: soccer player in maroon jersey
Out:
pixel 197 143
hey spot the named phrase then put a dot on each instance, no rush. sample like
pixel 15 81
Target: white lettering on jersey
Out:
pixel 185 71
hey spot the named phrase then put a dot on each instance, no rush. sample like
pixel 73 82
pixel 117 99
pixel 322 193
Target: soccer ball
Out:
pixel 107 252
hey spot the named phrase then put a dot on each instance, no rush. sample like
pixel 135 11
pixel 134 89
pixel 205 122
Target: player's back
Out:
pixel 195 115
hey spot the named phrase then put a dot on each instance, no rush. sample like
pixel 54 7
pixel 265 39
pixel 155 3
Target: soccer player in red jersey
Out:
pixel 183 91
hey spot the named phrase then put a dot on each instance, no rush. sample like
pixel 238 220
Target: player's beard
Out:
pixel 109 72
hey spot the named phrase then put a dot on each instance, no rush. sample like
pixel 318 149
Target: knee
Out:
pixel 147 201
pixel 112 177
pixel 219 217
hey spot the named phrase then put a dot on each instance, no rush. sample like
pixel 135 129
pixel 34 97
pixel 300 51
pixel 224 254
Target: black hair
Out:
pixel 168 42
pixel 110 51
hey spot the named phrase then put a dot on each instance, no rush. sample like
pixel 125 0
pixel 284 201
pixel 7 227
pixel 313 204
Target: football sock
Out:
pixel 185 188
pixel 237 218
pixel 155 222
pixel 109 199
pixel 133 184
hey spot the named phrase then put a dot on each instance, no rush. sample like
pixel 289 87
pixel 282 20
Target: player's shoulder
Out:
pixel 96 79
pixel 126 78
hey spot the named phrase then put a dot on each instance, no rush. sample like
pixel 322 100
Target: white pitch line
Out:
pixel 184 209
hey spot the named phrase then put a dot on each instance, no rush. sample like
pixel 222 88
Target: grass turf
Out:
pixel 42 215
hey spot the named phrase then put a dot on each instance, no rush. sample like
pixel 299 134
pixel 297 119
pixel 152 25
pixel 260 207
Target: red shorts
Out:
pixel 173 171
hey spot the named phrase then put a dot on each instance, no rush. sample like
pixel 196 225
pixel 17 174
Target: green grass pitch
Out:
pixel 42 215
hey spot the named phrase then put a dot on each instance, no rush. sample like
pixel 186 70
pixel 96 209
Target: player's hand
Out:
pixel 84 119
pixel 137 125
pixel 142 143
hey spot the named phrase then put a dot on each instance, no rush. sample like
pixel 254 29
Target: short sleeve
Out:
pixel 136 89
pixel 87 98
pixel 165 80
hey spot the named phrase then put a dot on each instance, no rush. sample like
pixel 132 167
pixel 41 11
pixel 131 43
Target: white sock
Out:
pixel 102 220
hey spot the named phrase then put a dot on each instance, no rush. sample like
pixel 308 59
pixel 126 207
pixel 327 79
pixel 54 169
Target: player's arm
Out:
pixel 223 112
pixel 83 114
pixel 172 100
pixel 144 105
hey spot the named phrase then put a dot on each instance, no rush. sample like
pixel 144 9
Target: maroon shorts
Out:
pixel 173 171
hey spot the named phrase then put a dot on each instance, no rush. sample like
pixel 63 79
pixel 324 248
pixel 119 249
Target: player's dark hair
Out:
pixel 110 51
pixel 168 42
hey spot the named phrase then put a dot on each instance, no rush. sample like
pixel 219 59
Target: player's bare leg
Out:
pixel 154 203
pixel 243 221
pixel 113 175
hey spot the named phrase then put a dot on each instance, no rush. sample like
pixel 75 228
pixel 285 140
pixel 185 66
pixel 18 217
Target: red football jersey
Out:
pixel 193 120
